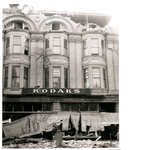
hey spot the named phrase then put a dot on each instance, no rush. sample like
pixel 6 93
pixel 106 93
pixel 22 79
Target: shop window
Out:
pixel 65 47
pixel 102 46
pixel 25 81
pixel 96 77
pixel 47 77
pixel 15 82
pixel 16 44
pixel 74 107
pixel 17 106
pixel 55 26
pixel 65 107
pixel 37 107
pixel 27 107
pixel 65 77
pixel 83 106
pixel 56 77
pixel 46 43
pixel 8 107
pixel 6 77
pixel 94 46
pixel 56 45
pixel 85 49
pixel 7 45
pixel 86 78
pixel 26 50
pixel 104 77
pixel 93 107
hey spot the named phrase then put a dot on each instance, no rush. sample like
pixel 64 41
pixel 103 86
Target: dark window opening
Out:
pixel 37 107
pixel 93 106
pixel 7 45
pixel 8 107
pixel 25 82
pixel 27 107
pixel 17 107
pixel 6 77
pixel 107 107
pixel 55 26
pixel 74 107
pixel 66 77
pixel 47 106
pixel 47 77
pixel 65 107
pixel 83 106
pixel 18 25
pixel 46 43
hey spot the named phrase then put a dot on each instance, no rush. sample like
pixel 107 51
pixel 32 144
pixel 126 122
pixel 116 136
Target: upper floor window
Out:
pixel 46 43
pixel 15 81
pixel 86 78
pixel 102 47
pixel 18 25
pixel 104 77
pixel 65 77
pixel 85 50
pixel 55 26
pixel 26 50
pixel 56 45
pixel 25 80
pixel 16 44
pixel 65 47
pixel 94 46
pixel 47 77
pixel 96 77
pixel 7 45
pixel 6 77
pixel 56 77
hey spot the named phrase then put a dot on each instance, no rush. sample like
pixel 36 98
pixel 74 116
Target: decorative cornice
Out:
pixel 36 38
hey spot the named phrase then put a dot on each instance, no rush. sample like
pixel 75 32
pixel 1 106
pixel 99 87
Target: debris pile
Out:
pixel 44 143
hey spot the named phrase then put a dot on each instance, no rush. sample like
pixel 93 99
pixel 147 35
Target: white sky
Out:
pixel 89 6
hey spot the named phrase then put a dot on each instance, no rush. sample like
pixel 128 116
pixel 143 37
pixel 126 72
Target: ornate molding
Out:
pixel 112 38
pixel 36 38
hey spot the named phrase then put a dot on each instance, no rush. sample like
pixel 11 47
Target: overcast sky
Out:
pixel 89 6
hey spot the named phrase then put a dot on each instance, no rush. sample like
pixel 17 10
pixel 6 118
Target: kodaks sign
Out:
pixel 55 91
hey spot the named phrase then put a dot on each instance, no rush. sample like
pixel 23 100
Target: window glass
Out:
pixel 65 43
pixel 26 51
pixel 25 81
pixel 104 77
pixel 96 78
pixel 15 82
pixel 56 78
pixel 66 77
pixel 94 46
pixel 46 43
pixel 86 78
pixel 47 77
pixel 16 44
pixel 55 26
pixel 6 77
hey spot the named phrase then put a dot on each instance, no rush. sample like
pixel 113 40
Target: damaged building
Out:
pixel 59 68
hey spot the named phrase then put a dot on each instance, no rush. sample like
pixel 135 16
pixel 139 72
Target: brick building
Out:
pixel 58 62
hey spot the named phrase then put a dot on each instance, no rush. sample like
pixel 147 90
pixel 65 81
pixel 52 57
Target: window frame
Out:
pixel 102 47
pixel 53 26
pixel 15 77
pixel 16 45
pixel 96 78
pixel 95 46
pixel 26 47
pixel 57 77
pixel 56 45
pixel 104 78
pixel 65 77
pixel 87 79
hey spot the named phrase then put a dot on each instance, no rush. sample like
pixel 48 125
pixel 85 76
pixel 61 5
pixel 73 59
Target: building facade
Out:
pixel 58 62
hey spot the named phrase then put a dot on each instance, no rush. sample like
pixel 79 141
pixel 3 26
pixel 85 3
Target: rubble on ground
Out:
pixel 45 144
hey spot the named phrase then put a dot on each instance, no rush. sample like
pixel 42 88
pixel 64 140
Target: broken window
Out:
pixel 94 46
pixel 6 77
pixel 47 77
pixel 26 50
pixel 55 26
pixel 25 81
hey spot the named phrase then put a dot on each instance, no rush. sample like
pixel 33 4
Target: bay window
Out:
pixel 46 43
pixel 96 77
pixel 16 44
pixel 6 77
pixel 56 45
pixel 102 47
pixel 65 47
pixel 7 45
pixel 86 78
pixel 104 77
pixel 25 80
pixel 15 81
pixel 47 77
pixel 55 26
pixel 56 77
pixel 94 46
pixel 26 50
pixel 65 77
pixel 85 49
